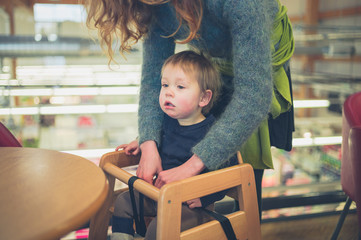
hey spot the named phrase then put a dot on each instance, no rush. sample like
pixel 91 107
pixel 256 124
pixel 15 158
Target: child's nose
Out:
pixel 169 92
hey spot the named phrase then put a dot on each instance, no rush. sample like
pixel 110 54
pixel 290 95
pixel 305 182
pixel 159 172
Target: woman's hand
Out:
pixel 194 203
pixel 188 169
pixel 150 162
pixel 131 148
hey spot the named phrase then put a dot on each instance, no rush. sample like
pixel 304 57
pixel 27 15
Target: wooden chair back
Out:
pixel 246 223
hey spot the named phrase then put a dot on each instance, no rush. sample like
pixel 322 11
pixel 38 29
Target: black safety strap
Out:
pixel 139 221
pixel 225 223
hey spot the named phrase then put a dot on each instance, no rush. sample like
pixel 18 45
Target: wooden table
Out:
pixel 45 194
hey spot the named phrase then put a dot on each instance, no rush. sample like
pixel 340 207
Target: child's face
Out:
pixel 181 97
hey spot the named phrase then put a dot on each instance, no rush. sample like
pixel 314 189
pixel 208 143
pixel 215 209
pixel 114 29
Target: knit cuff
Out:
pixel 142 138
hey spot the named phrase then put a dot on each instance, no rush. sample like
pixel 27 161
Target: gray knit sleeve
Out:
pixel 156 49
pixel 250 32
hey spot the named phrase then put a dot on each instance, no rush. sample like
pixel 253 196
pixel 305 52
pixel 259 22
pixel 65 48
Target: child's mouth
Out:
pixel 168 104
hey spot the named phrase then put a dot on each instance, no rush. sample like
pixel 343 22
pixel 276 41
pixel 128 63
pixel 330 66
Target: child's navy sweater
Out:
pixel 177 142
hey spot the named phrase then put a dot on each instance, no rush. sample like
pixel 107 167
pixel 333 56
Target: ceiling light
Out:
pixel 311 103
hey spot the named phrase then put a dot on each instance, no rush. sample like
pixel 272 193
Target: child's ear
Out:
pixel 205 98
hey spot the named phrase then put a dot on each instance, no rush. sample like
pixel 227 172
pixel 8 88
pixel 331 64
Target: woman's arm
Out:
pixel 250 32
pixel 156 49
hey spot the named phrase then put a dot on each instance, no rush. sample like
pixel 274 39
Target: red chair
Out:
pixel 7 139
pixel 351 158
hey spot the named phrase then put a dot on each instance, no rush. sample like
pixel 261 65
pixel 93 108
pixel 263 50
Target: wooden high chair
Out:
pixel 245 222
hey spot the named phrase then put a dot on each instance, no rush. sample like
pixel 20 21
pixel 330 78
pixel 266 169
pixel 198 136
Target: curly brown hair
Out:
pixel 127 20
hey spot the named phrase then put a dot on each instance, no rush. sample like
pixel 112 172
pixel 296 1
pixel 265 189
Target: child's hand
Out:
pixel 131 148
pixel 194 203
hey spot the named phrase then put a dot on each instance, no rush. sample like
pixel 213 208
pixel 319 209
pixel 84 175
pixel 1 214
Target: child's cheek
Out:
pixel 160 98
pixel 186 104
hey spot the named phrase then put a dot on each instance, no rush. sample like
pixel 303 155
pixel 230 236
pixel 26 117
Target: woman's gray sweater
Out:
pixel 236 31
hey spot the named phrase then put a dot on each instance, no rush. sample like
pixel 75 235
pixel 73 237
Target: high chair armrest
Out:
pixel 140 185
pixel 113 161
pixel 193 187
pixel 119 159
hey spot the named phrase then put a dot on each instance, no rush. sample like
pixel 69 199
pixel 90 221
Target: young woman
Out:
pixel 249 40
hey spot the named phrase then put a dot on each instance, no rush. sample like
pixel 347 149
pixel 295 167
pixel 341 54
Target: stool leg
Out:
pixel 342 219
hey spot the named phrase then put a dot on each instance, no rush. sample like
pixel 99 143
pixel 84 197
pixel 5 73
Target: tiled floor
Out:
pixel 318 228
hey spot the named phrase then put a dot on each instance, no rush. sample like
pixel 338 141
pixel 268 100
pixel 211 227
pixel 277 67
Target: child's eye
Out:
pixel 180 87
pixel 164 85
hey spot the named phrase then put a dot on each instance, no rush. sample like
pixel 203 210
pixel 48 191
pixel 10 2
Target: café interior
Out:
pixel 59 92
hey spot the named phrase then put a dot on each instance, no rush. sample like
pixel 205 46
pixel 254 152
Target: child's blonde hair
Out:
pixel 205 72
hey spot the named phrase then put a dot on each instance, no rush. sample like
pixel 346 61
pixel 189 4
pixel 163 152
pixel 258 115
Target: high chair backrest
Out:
pixel 170 197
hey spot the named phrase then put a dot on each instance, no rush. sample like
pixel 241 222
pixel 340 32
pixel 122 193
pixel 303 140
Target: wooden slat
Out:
pixel 119 159
pixel 169 213
pixel 214 230
pixel 100 221
pixel 211 182
pixel 140 185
